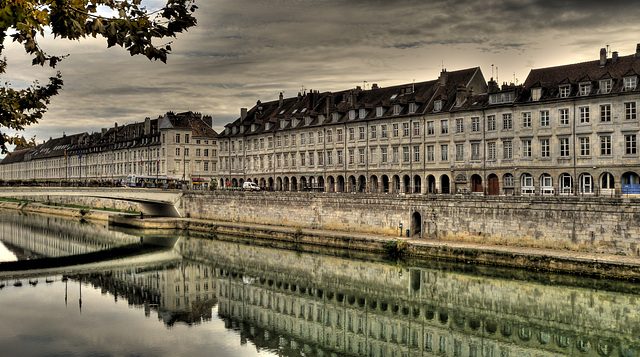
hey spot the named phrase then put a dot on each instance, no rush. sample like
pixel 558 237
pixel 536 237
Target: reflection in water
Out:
pixel 294 304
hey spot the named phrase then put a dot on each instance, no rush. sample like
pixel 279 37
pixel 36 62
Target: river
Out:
pixel 226 296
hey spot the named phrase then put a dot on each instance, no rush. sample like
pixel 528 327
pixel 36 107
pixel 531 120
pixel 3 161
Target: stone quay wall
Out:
pixel 591 224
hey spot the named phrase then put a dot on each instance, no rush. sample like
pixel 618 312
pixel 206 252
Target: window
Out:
pixel 460 152
pixel 379 111
pixel 320 137
pixel 177 151
pixel 416 128
pixel 444 152
pixel 413 107
pixel 605 113
pixel 361 155
pixel 544 148
pixel 405 129
pixel 270 140
pixel 507 150
pixel 206 166
pixel 383 131
pixel 507 122
pixel 544 118
pixel 605 145
pixel 491 151
pixel 584 114
pixel 362 113
pixel 361 133
pixel 303 157
pixel 460 125
pixel 384 154
pixel 340 157
pixel 206 152
pixel 372 155
pixel 605 86
pixel 416 154
pixel 197 152
pixel 405 153
pixel 329 136
pixel 351 156
pixel 437 105
pixel 395 154
pixel 585 146
pixel 396 132
pixel 564 147
pixel 444 126
pixel 339 133
pixel 491 122
pixel 564 116
pixel 630 111
pixel 630 144
pixel 475 151
pixel 431 128
pixel 186 138
pixel 630 83
pixel 565 91
pixel 475 124
pixel 526 119
pixel 178 138
pixel 293 139
pixel 278 141
pixel 585 89
pixel 535 94
pixel 526 148
pixel 352 114
pixel 186 152
pixel 430 153
pixel 329 157
pixel 352 134
pixel 508 180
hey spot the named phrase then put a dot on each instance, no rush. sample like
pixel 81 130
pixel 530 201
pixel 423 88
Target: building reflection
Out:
pixel 307 304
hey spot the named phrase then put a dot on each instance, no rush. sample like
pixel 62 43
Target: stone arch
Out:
pixel 385 184
pixel 362 184
pixel 431 184
pixel 373 184
pixel 294 183
pixel 278 184
pixel 395 187
pixel 493 185
pixel 352 184
pixel 416 224
pixel 331 184
pixel 321 183
pixel 234 183
pixel 546 184
pixel 417 184
pixel 445 184
pixel 630 182
pixel 406 184
pixel 607 184
pixel 263 183
pixel 565 184
pixel 340 186
pixel 303 183
pixel 286 186
pixel 476 183
pixel 270 184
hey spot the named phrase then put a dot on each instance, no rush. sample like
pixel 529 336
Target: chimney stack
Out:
pixel 243 113
pixel 374 86
pixel 614 57
pixel 603 57
pixel 461 94
pixel 443 77
pixel 280 100
pixel 638 50
pixel 492 86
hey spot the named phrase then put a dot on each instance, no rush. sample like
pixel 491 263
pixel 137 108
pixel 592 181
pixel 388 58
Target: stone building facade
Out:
pixel 174 146
pixel 567 130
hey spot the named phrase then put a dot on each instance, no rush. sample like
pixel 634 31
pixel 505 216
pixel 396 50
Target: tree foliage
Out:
pixel 133 28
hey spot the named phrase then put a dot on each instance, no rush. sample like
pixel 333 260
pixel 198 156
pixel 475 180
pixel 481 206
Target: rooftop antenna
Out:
pixel 364 85
pixel 492 71
pixel 413 86
pixel 497 75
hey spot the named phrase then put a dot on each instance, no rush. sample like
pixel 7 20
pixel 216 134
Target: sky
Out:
pixel 243 51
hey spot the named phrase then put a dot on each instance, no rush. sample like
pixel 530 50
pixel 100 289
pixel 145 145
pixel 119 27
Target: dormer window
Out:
pixel 630 83
pixel 565 91
pixel 585 89
pixel 437 105
pixel 307 120
pixel 379 111
pixel 254 127
pixel 352 114
pixel 396 109
pixel 363 113
pixel 413 107
pixel 605 86
pixel 497 98
pixel 335 116
pixel 535 94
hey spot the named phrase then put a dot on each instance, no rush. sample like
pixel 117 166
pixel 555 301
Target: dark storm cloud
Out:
pixel 244 51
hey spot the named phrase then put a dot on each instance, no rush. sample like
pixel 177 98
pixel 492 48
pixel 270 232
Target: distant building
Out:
pixel 570 129
pixel 177 146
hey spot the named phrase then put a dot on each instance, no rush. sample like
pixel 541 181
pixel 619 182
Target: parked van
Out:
pixel 250 186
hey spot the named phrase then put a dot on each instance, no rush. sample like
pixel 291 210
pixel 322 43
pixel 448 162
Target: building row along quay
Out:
pixel 567 130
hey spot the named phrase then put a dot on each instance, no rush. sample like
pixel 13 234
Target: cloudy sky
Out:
pixel 248 50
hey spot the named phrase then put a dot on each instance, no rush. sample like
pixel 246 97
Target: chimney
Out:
pixel 614 57
pixel 147 126
pixel 638 50
pixel 443 77
pixel 208 120
pixel 492 86
pixel 603 57
pixel 243 113
pixel 461 94
pixel 280 100
pixel 374 86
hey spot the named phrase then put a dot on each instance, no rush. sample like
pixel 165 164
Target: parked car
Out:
pixel 250 186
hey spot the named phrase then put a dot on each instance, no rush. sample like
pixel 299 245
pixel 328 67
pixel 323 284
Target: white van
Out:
pixel 250 186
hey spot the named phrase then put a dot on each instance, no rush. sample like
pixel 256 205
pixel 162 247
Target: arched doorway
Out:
pixel 303 183
pixel 476 183
pixel 630 182
pixel 234 183
pixel 373 183
pixel 493 185
pixel 262 183
pixel 270 184
pixel 352 184
pixel 406 184
pixel 445 184
pixel 417 184
pixel 278 184
pixel 416 225
pixel 565 182
pixel 294 184
pixel 320 183
pixel 431 184
pixel 607 184
pixel 385 183
pixel 586 183
pixel 340 187
pixel 331 184
pixel 286 184
pixel 362 184
pixel 396 184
